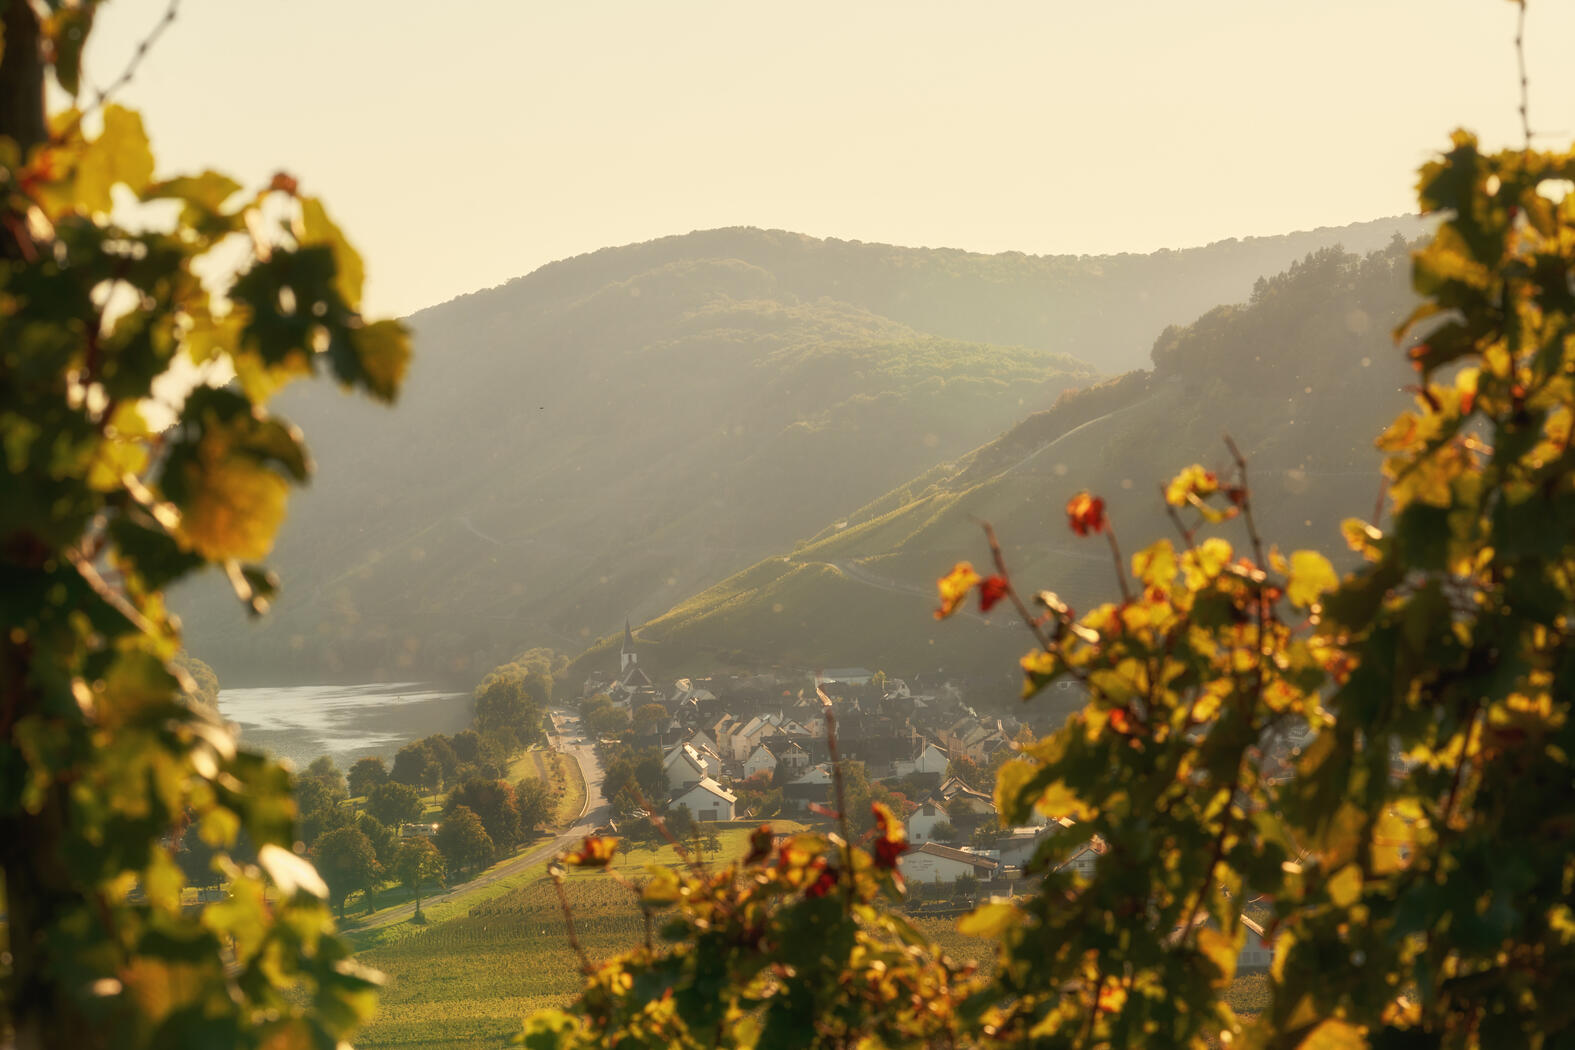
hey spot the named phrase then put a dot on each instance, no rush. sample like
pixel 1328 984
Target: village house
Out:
pixel 760 760
pixel 923 821
pixel 930 759
pixel 933 862
pixel 685 766
pixel 791 755
pixel 707 800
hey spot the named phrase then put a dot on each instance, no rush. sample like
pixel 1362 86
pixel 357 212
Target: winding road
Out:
pixel 593 814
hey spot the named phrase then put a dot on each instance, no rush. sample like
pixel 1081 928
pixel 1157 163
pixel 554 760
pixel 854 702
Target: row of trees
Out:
pixel 361 842
pixel 354 825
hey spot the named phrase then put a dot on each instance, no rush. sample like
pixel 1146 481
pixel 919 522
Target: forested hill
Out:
pixel 1104 309
pixel 620 430
pixel 1303 377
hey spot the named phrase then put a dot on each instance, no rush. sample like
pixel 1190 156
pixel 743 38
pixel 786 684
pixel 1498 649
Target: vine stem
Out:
pixel 103 95
pixel 999 558
pixel 845 877
pixel 1520 61
pixel 568 921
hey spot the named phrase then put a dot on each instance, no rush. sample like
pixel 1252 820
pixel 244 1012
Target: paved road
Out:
pixel 594 814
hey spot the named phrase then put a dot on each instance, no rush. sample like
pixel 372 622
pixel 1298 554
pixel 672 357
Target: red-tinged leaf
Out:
pixel 991 590
pixel 825 811
pixel 1086 514
pixel 1120 722
pixel 759 845
pixel 891 837
pixel 284 182
pixel 823 882
pixel 954 587
pixel 596 851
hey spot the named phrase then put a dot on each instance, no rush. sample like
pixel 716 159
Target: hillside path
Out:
pixel 594 814
pixel 852 569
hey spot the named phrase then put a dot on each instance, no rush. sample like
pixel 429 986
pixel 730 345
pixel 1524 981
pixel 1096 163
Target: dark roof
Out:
pixel 628 637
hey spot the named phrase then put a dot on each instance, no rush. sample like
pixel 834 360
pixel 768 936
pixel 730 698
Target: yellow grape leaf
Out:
pixel 954 587
pixel 1334 1035
pixel 662 887
pixel 1222 950
pixel 234 510
pixel 1155 565
pixel 1206 561
pixel 1345 888
pixel 1010 784
pixel 383 348
pixel 1193 480
pixel 318 228
pixel 1311 575
pixel 1360 536
pixel 119 155
pixel 989 920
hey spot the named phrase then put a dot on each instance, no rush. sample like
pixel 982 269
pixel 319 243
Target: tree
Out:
pixel 348 862
pixel 463 841
pixel 467 745
pixel 649 719
pixel 317 810
pixel 196 859
pixel 1383 760
pixel 419 864
pixel 366 774
pixel 384 839
pixel 513 697
pixel 493 802
pixel 105 507
pixel 394 804
pixel 326 772
pixel 604 721
pixel 534 800
pixel 204 688
pixel 416 766
pixel 443 754
pixel 968 771
pixel 757 797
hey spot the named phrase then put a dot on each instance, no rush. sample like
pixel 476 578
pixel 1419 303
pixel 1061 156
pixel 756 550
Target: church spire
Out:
pixel 627 656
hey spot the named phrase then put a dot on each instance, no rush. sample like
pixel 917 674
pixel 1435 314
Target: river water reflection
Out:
pixel 300 722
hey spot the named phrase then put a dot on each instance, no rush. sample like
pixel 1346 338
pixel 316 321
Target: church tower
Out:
pixel 627 656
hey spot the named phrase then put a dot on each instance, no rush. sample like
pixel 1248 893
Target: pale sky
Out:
pixel 467 143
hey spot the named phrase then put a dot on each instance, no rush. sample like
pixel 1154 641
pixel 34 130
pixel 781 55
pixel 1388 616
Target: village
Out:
pixel 750 748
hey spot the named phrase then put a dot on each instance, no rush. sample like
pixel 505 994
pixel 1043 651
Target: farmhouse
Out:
pixel 933 862
pixel 707 800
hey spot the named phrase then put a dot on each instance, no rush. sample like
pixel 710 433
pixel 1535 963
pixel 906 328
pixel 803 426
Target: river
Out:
pixel 301 722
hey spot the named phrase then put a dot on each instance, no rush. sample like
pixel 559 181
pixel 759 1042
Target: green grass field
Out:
pixel 561 772
pixel 466 979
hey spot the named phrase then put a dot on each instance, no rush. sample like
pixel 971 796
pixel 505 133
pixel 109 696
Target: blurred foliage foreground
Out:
pixel 1412 849
pixel 115 288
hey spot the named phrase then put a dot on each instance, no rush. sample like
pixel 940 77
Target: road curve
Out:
pixel 593 814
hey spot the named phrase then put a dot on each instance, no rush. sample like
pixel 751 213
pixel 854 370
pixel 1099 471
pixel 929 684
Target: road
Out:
pixel 594 814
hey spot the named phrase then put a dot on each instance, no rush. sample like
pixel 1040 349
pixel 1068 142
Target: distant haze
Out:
pixel 466 145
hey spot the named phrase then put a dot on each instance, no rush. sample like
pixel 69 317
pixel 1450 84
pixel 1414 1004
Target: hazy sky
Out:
pixel 466 143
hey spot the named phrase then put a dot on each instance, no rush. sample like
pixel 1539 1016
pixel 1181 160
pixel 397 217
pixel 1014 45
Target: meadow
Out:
pixel 466 981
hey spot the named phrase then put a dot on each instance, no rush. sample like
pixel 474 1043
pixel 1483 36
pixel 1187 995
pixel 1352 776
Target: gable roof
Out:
pixel 711 787
pixel 935 849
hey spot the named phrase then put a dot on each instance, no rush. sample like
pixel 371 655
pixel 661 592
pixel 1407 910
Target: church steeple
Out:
pixel 627 656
